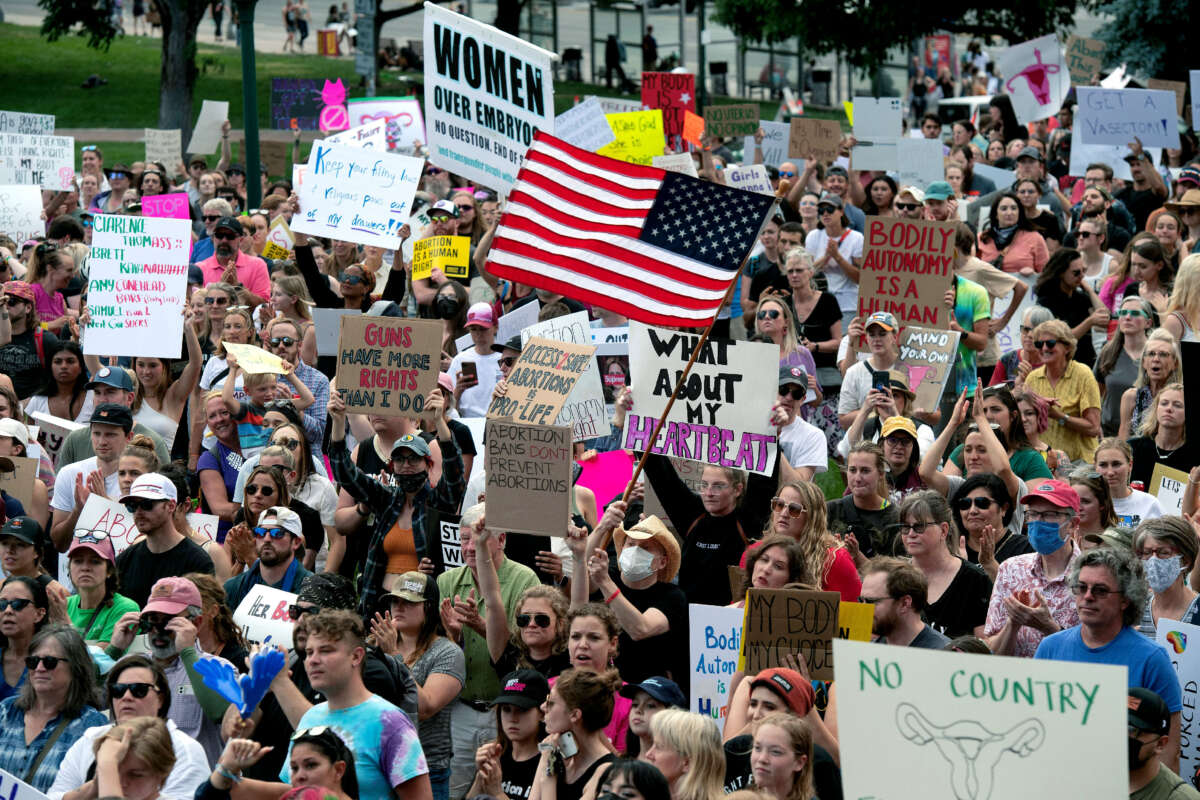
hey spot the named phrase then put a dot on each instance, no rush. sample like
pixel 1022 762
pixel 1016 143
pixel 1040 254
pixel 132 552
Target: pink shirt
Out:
pixel 1025 572
pixel 48 308
pixel 1027 249
pixel 251 272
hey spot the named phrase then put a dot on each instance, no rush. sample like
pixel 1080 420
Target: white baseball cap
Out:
pixel 15 429
pixel 152 486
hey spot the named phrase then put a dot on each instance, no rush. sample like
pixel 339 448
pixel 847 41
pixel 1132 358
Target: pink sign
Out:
pixel 607 475
pixel 170 206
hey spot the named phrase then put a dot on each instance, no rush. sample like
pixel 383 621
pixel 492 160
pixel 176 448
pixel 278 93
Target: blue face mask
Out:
pixel 1044 536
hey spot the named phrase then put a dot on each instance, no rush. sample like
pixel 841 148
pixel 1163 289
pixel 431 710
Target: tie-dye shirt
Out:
pixel 386 749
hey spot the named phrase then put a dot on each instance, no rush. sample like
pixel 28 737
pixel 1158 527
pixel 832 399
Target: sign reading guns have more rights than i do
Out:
pixel 136 287
pixel 388 366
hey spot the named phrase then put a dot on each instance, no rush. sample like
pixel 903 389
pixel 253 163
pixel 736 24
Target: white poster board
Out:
pixel 878 123
pixel 206 133
pixel 204 524
pixel 676 162
pixel 45 161
pixel 13 788
pixel 616 105
pixel 328 322
pixel 1035 77
pixel 916 724
pixel 1182 643
pixel 110 518
pixel 21 212
pixel 584 410
pixel 370 136
pixel 451 542
pixel 1116 116
pixel 165 146
pixel 405 124
pixel 1110 154
pixel 584 126
pixel 486 92
pixel 774 144
pixel 515 321
pixel 21 122
pixel 921 162
pixel 753 178
pixel 263 615
pixel 137 284
pixel 1194 80
pixel 714 639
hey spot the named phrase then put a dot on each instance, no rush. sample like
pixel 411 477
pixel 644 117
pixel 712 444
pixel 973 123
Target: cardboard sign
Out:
pixel 296 103
pixel 541 380
pixel 1116 116
pixel 673 93
pixel 451 541
pixel 907 266
pixel 583 412
pixel 693 128
pixel 370 136
pixel 274 252
pixel 528 469
pixel 738 119
pixel 611 341
pixel 1168 486
pixel 21 212
pixel 165 146
pixel 1178 87
pixel 783 622
pixel 263 616
pixel 253 360
pixel 1085 58
pixel 638 137
pixel 921 162
pixel 722 414
pixel 13 788
pixel 814 138
pixel 19 481
pixel 357 195
pixel 108 518
pixel 753 178
pixel 1194 80
pixel 137 286
pixel 1182 643
pixel 486 92
pixel 676 162
pixel 1036 77
pixel 206 133
pixel 32 124
pixel 584 125
pixel 388 366
pixel 274 155
pixel 45 161
pixel 916 724
pixel 714 640
pixel 928 357
pixel 328 322
pixel 168 206
pixel 775 145
pixel 405 125
pixel 450 254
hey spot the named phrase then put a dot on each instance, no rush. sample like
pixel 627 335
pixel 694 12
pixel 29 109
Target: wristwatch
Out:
pixel 1062 421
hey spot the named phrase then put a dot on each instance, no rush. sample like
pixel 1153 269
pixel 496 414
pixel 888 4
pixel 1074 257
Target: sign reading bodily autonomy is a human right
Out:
pixel 486 92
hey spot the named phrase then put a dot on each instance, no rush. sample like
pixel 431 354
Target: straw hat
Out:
pixel 1190 199
pixel 652 528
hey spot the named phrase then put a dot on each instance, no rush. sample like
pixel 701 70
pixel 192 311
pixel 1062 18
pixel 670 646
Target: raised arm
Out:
pixel 932 460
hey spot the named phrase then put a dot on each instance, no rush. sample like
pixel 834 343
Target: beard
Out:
pixel 225 250
pixel 162 652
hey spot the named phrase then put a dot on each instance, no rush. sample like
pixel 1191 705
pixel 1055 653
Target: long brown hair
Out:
pixel 213 595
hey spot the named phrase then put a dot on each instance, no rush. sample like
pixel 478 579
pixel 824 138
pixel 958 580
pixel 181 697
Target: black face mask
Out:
pixel 1135 753
pixel 447 307
pixel 413 482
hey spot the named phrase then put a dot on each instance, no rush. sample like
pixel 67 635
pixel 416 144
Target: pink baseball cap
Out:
pixel 480 314
pixel 96 541
pixel 172 595
pixel 1054 491
pixel 445 382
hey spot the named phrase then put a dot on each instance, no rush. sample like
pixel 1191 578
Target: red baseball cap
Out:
pixel 1054 491
pixel 790 686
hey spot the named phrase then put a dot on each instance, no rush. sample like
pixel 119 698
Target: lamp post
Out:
pixel 250 103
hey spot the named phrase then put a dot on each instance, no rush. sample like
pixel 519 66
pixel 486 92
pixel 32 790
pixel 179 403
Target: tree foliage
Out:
pixel 1151 37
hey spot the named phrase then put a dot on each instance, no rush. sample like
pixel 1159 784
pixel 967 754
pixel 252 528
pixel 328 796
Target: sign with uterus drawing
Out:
pixel 1036 77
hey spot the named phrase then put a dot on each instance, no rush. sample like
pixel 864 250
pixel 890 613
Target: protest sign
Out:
pixel 13 788
pixel 206 133
pixel 274 155
pixel 296 103
pixel 328 322
pixel 528 470
pixel 722 414
pixel 21 212
pixel 693 128
pixel 405 125
pixel 168 206
pixel 1116 116
pixel 20 122
pixel 1085 57
pixel 1112 155
pixel 877 126
pixel 907 267
pixel 388 366
pixel 369 136
pixel 1036 77
pixel 253 360
pixel 676 162
pixel 614 105
pixel 775 144
pixel 108 518
pixel 45 161
pixel 921 162
pixel 357 195
pixel 584 125
pixel 928 358
pixel 1168 485
pixel 714 639
pixel 164 146
pixel 1182 643
pixel 998 176
pixel 611 341
pixel 273 251
pixel 1117 79
pixel 673 93
pixel 783 622
pixel 1178 87
pixel 450 254
pixel 916 724
pixel 16 477
pixel 280 234
pixel 450 541
pixel 263 616
pixel 855 621
pixel 639 137
pixel 512 323
pixel 753 178
pixel 137 285
pixel 606 474
pixel 809 138
pixel 1194 80
pixel 541 381
pixel 204 524
pixel 1190 354
pixel 486 92
pixel 737 119
pixel 583 412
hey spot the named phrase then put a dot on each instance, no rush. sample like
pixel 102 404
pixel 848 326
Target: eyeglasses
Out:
pixel 216 301
pixel 286 341
pixel 1158 354
pixel 139 690
pixel 794 510
pixel 148 624
pixel 289 443
pixel 916 527
pixel 795 392
pixel 770 313
pixel 13 301
pixel 296 611
pixel 49 662
pixel 253 489
pixel 1162 552
pixel 865 599
pixel 716 486
pixel 411 458
pixel 1098 590
pixel 274 533
pixel 907 206
pixel 17 604
pixel 350 280
pixel 276 405
pixel 1045 344
pixel 1046 516
pixel 1132 312
pixel 95 535
pixel 508 361
pixel 897 441
pixel 1026 329
pixel 965 503
pixel 541 620
pixel 141 504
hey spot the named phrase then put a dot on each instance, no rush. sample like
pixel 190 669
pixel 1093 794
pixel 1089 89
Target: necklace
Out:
pixel 1162 454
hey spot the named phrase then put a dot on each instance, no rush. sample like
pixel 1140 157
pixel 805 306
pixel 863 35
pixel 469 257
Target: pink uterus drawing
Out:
pixel 1038 77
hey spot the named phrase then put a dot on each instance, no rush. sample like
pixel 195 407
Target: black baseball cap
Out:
pixel 229 224
pixel 664 690
pixel 113 414
pixel 26 529
pixel 513 343
pixel 523 688
pixel 1147 711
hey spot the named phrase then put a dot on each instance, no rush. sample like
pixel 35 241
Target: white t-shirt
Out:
pixel 804 445
pixel 474 402
pixel 190 770
pixel 855 386
pixel 925 439
pixel 1135 509
pixel 851 247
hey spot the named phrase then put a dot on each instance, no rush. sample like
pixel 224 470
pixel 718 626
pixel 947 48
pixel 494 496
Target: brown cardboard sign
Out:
pixel 907 267
pixel 928 357
pixel 19 482
pixel 788 621
pixel 541 380
pixel 275 155
pixel 388 365
pixel 528 470
pixel 740 119
pixel 814 137
pixel 1085 57
pixel 1178 87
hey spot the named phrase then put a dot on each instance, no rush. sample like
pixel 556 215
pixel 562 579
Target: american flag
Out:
pixel 652 245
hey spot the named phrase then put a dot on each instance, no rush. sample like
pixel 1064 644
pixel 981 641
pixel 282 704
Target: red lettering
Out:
pixel 383 336
pixel 281 611
pixel 876 236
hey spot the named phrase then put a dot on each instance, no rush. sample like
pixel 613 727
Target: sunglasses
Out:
pixel 17 604
pixel 49 662
pixel 253 489
pixel 216 301
pixel 907 206
pixel 541 620
pixel 274 533
pixel 286 341
pixel 1132 312
pixel 290 444
pixel 1045 344
pixel 272 405
pixel 770 313
pixel 148 624
pixel 1086 234
pixel 786 173
pixel 140 690
pixel 433 171
pixel 135 505
pixel 88 147
pixel 795 392
pixel 225 237
pixel 794 510
pixel 826 210
pixel 296 611
pixel 87 223
pixel 965 503
pixel 116 176
pixel 508 361
pixel 350 280
pixel 13 301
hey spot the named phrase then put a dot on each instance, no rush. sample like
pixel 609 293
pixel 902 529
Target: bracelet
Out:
pixel 612 597
pixel 224 773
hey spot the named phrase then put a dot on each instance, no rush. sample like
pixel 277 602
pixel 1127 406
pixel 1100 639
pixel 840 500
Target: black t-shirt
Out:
pixel 1013 544
pixel 462 437
pixel 817 327
pixel 769 277
pixel 1140 202
pixel 873 529
pixel 516 777
pixel 827 776
pixel 573 791
pixel 19 361
pixel 510 660
pixel 1145 456
pixel 140 569
pixel 310 523
pixel 964 604
pixel 662 654
pixel 1072 309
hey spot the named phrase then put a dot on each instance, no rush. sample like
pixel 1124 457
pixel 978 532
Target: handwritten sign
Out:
pixel 928 356
pixel 274 156
pixel 775 144
pixel 907 265
pixel 21 212
pixel 809 138
pixel 528 469
pixel 921 162
pixel 167 206
pixel 450 254
pixel 1085 58
pixel 738 119
pixel 1036 77
pixel 388 366
pixel 583 412
pixel 253 360
pixel 137 286
pixel 1182 643
pixel 263 615
pixel 693 128
pixel 541 380
pixel 855 621
pixel 371 135
pixel 45 161
pixel 1168 486
pixel 20 122
pixel 783 622
pixel 916 724
pixel 405 123
pixel 206 133
pixel 165 146
pixel 676 162
pixel 110 518
pixel 451 541
pixel 1116 116
pixel 281 234
pixel 673 93
pixel 203 524
pixel 714 640
pixel 296 103
pixel 639 136
pixel 722 414
pixel 357 195
pixel 13 788
pixel 753 178
pixel 18 481
pixel 584 125
pixel 1178 87
pixel 615 105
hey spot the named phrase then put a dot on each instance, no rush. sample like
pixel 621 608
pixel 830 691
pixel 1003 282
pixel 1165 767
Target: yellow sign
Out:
pixel 252 360
pixel 1168 486
pixel 450 254
pixel 639 136
pixel 849 108
pixel 854 621
pixel 274 252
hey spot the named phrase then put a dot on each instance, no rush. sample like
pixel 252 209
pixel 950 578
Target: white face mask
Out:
pixel 636 564
pixel 1162 572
